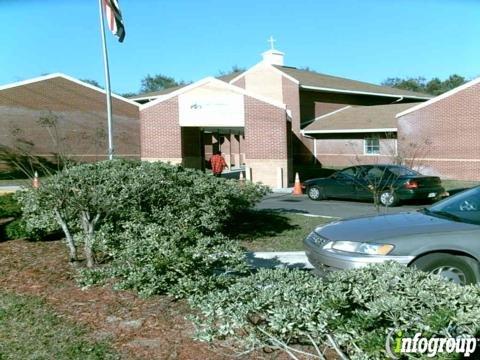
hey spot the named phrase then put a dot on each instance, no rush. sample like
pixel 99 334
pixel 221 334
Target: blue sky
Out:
pixel 367 40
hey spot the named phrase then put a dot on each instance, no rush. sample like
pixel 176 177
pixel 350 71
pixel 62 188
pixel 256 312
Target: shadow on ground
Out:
pixel 255 224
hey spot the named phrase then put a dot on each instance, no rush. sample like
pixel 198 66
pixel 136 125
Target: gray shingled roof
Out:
pixel 314 79
pixel 359 117
pixel 225 78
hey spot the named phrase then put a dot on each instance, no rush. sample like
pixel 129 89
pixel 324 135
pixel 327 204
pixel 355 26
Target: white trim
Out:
pixel 307 87
pixel 214 80
pixel 440 97
pixel 263 64
pixel 444 160
pixel 331 154
pixel 345 131
pixel 66 77
pixel 88 155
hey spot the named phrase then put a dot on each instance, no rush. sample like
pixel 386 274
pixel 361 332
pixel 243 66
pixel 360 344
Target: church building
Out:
pixel 273 120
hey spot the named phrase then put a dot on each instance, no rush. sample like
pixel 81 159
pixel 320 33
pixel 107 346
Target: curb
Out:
pixel 279 259
pixel 283 190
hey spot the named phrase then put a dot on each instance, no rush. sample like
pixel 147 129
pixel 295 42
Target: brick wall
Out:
pixel 80 118
pixel 264 81
pixel 160 132
pixel 443 137
pixel 350 151
pixel 266 145
pixel 265 130
pixel 76 134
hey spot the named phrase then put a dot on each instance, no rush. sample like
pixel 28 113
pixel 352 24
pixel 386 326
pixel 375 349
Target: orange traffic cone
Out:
pixel 297 189
pixel 36 181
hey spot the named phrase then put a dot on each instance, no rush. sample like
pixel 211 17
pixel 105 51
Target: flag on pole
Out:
pixel 114 18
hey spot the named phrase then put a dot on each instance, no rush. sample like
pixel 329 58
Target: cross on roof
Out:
pixel 271 41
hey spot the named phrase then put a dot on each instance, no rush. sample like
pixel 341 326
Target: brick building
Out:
pixel 441 136
pixel 258 117
pixel 269 121
pixel 356 135
pixel 57 114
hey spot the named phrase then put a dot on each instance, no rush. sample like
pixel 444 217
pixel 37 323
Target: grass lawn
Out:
pixel 30 330
pixel 268 230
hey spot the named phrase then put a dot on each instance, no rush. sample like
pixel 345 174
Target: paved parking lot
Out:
pixel 330 208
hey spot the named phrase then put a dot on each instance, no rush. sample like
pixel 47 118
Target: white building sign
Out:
pixel 211 105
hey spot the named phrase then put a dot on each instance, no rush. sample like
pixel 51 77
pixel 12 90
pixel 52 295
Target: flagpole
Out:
pixel 107 82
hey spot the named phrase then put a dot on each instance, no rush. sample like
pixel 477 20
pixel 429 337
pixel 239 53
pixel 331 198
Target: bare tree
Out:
pixel 379 180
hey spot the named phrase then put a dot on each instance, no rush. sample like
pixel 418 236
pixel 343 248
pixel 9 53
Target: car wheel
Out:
pixel 458 269
pixel 388 198
pixel 314 193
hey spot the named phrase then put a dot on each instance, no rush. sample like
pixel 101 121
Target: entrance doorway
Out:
pixel 230 141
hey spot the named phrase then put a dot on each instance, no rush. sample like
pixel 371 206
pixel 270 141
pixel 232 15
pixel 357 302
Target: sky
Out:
pixel 368 40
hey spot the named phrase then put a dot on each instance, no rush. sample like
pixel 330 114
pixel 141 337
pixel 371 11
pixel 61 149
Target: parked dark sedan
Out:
pixel 391 184
pixel 442 239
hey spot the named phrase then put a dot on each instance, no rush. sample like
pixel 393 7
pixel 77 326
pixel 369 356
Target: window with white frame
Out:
pixel 371 146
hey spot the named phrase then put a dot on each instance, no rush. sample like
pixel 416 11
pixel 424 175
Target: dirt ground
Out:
pixel 153 328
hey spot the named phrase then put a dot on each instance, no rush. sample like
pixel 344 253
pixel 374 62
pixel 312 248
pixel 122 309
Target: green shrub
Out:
pixel 9 206
pixel 153 259
pixel 169 240
pixel 357 307
pixel 156 227
pixel 36 211
pixel 16 230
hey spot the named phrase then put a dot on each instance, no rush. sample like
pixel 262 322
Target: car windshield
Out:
pixel 402 171
pixel 464 207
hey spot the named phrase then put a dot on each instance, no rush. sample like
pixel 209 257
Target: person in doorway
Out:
pixel 218 163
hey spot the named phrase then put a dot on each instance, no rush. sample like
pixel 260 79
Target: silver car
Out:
pixel 443 239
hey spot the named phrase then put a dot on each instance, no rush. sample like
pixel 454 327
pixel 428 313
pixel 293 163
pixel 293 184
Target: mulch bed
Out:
pixel 152 328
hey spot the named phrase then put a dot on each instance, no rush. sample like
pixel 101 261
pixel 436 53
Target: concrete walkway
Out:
pixel 279 259
pixel 8 189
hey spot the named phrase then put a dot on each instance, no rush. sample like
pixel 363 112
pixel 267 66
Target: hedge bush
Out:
pixel 357 307
pixel 9 207
pixel 16 230
pixel 155 259
pixel 155 227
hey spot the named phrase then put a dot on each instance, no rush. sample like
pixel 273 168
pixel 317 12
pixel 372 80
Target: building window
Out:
pixel 372 146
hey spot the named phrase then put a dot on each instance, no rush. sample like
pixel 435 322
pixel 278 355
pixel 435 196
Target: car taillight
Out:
pixel 411 184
